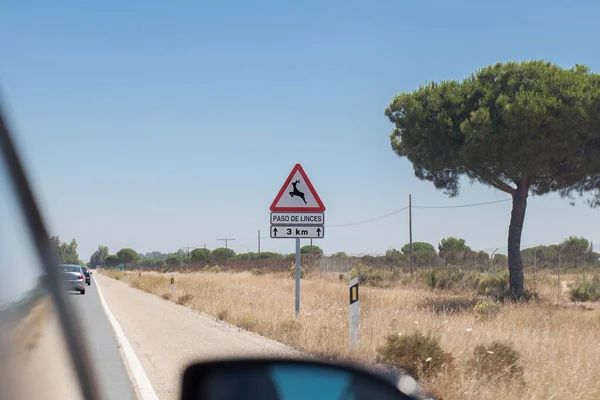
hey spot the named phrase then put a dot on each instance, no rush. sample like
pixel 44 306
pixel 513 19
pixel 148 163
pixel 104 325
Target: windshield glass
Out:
pixel 34 360
pixel 411 186
pixel 70 269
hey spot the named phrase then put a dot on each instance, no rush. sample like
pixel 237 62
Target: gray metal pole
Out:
pixel 298 269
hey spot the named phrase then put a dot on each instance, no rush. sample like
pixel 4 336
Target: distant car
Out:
pixel 86 273
pixel 73 277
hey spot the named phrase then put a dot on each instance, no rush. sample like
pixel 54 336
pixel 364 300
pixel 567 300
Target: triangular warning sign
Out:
pixel 297 194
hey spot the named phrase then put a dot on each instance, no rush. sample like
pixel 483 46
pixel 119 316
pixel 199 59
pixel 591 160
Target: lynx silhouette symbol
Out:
pixel 296 192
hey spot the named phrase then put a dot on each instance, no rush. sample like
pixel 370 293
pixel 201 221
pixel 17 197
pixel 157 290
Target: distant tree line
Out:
pixel 574 251
pixel 200 256
pixel 66 252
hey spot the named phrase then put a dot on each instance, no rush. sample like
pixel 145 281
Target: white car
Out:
pixel 73 277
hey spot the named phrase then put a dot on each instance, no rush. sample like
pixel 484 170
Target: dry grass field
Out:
pixel 556 340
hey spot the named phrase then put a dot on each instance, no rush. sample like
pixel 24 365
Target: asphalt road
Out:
pixel 105 353
pixel 167 337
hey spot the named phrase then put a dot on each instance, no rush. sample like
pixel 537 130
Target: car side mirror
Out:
pixel 285 379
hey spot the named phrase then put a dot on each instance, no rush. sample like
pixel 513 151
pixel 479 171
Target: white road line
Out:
pixel 141 379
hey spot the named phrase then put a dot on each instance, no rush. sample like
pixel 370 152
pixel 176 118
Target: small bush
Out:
pixel 213 269
pixel 119 276
pixel 418 355
pixel 431 279
pixel 166 296
pixel 453 280
pixel 495 286
pixel 586 291
pixel 447 305
pixel 290 327
pixel 372 276
pixel 486 309
pixel 256 271
pixel 293 272
pixel 341 277
pixel 185 299
pixel 496 361
pixel 222 315
pixel 166 270
pixel 247 323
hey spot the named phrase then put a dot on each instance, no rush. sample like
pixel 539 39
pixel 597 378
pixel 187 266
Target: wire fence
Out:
pixel 549 259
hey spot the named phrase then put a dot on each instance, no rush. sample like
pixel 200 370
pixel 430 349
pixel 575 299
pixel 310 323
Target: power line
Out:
pixel 427 207
pixel 372 219
pixel 465 205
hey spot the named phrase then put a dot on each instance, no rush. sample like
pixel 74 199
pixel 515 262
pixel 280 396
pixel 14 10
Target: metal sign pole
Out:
pixel 298 270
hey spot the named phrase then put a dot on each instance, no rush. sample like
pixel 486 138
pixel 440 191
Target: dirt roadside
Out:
pixel 167 337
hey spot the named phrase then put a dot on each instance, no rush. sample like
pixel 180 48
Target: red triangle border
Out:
pixel 319 208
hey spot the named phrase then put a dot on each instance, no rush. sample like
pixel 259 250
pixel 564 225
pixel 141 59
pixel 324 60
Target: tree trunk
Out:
pixel 515 266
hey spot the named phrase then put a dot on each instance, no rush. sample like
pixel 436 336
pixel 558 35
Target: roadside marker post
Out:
pixel 354 318
pixel 172 283
pixel 297 213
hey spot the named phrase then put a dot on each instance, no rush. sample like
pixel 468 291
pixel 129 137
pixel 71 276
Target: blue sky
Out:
pixel 158 125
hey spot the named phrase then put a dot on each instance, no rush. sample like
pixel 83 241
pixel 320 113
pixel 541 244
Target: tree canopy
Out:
pixel 308 249
pixel 417 247
pixel 221 255
pixel 522 128
pixel 127 256
pixel 98 258
pixel 200 256
pixel 66 252
pixel 111 260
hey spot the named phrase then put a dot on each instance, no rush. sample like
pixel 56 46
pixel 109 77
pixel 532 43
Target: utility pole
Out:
pixel 205 255
pixel 188 251
pixel 259 249
pixel 410 232
pixel 226 240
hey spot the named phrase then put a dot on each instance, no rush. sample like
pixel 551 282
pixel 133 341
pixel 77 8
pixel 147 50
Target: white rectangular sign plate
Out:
pixel 296 231
pixel 288 218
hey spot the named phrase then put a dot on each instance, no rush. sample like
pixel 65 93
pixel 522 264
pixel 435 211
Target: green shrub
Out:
pixel 431 279
pixel 486 309
pixel 256 271
pixel 453 280
pixel 496 286
pixel 213 269
pixel 293 272
pixel 421 356
pixel 447 305
pixel 372 276
pixel 586 291
pixel 496 361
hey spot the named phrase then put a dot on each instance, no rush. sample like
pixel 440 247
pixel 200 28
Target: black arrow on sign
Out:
pixel 275 232
pixel 318 231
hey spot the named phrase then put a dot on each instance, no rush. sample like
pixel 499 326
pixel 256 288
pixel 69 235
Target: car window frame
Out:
pixel 36 227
